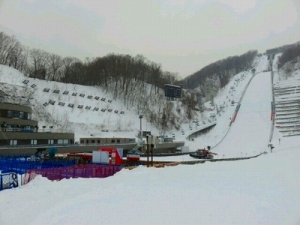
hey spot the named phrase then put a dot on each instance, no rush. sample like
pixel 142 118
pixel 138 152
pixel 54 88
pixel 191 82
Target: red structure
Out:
pixel 115 154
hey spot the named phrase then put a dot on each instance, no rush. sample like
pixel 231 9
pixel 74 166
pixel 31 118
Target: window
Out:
pixel 29 116
pixel 21 115
pixel 13 142
pixel 9 114
pixel 81 141
pixel 93 141
pixel 98 141
pixel 62 141
pixel 16 114
pixel 112 141
pixel 51 142
pixel 33 142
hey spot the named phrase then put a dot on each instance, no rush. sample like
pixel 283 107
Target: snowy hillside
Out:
pixel 83 109
pixel 87 110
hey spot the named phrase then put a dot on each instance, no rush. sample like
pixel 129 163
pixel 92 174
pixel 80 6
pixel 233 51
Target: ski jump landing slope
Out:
pixel 249 134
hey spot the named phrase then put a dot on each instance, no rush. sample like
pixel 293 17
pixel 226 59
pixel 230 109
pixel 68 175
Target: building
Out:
pixel 18 129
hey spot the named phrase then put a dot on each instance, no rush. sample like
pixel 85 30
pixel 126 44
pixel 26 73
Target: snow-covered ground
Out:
pixel 263 190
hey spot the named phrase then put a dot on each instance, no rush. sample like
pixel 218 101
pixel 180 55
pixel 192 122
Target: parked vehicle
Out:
pixel 202 154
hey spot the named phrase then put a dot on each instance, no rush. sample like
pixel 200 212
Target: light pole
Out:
pixel 141 117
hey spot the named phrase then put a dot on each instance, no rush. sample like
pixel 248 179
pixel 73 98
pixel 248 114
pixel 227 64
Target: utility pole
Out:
pixel 141 117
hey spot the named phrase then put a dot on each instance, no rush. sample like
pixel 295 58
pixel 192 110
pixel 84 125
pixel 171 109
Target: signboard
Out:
pixel 172 91
pixel 8 180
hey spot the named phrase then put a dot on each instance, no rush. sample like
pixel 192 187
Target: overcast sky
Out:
pixel 181 35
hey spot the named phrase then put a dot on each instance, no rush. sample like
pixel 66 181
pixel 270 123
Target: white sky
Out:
pixel 181 35
pixel 264 190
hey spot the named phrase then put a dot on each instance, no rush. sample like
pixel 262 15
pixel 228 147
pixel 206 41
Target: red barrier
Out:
pixel 83 171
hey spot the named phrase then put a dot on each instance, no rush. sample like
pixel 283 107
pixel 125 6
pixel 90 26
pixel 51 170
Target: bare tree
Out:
pixel 55 63
pixel 38 67
pixel 8 47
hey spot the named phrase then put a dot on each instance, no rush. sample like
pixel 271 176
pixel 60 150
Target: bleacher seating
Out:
pixel 102 99
pixel 61 103
pixel 96 109
pixel 56 91
pixel 88 107
pixel 90 97
pixel 25 81
pixel 45 104
pixel 103 110
pixel 122 112
pixel 82 95
pixel 97 97
pixel 109 110
pixel 46 90
pixel 33 85
pixel 80 106
pixel 116 111
pixel 74 94
pixel 110 101
pixel 71 105
pixel 65 92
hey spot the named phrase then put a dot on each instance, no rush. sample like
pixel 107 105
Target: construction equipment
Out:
pixel 203 154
